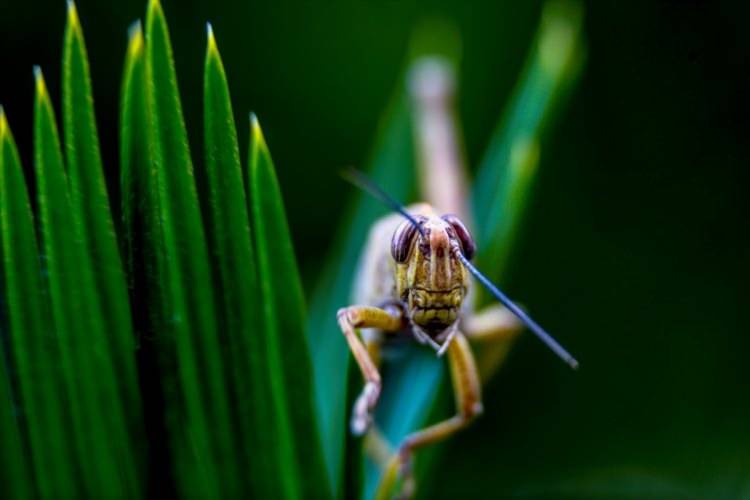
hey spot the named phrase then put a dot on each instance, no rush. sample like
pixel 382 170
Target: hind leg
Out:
pixel 492 330
pixel 467 392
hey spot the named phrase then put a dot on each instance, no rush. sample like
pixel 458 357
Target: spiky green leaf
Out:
pixel 139 207
pixel 233 263
pixel 14 472
pixel 34 350
pixel 102 443
pixel 300 470
pixel 187 339
pixel 15 222
pixel 89 199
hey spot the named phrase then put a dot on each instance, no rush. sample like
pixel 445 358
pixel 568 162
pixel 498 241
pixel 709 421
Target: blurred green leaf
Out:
pixel 299 458
pixel 505 175
pixel 418 375
pixel 391 165
pixel 102 442
pixel 16 226
pixel 88 197
pixel 233 262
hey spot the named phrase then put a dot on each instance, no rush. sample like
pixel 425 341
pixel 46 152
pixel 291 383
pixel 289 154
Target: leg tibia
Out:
pixel 351 318
pixel 467 392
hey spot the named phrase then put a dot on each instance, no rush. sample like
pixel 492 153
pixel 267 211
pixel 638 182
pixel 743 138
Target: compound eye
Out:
pixel 402 241
pixel 468 247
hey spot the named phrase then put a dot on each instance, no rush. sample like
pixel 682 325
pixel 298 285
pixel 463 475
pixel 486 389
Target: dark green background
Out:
pixel 634 250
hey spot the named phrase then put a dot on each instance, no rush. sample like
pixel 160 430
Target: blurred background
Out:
pixel 634 249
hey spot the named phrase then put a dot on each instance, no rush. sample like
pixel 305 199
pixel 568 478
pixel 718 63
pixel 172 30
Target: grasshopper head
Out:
pixel 430 278
pixel 432 257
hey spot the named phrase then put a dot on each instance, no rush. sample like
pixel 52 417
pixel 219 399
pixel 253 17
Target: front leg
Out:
pixel 354 317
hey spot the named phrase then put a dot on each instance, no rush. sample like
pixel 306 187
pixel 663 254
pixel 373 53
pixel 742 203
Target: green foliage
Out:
pixel 88 196
pixel 233 263
pixel 506 173
pixel 300 466
pixel 224 364
pixel 101 442
pixel 224 399
pixel 410 393
pixel 207 460
pixel 19 275
pixel 15 474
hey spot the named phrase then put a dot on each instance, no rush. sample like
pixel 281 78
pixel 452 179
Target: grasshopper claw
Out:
pixel 360 423
pixel 363 407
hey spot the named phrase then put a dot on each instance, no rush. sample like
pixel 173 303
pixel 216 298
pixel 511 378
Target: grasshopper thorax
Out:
pixel 430 278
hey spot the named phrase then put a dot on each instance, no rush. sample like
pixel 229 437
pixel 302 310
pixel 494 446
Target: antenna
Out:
pixel 366 184
pixel 362 181
pixel 533 325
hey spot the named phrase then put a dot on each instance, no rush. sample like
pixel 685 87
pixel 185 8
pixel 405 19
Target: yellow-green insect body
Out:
pixel 412 283
pixel 419 271
pixel 415 281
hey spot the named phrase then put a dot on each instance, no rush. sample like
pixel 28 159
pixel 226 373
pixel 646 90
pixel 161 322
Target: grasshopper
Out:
pixel 416 279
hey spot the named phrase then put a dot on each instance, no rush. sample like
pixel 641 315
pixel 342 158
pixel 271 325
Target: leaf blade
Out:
pixel 506 174
pixel 16 232
pixel 143 259
pixel 89 199
pixel 233 262
pixel 205 453
pixel 34 354
pixel 100 442
pixel 302 470
pixel 14 472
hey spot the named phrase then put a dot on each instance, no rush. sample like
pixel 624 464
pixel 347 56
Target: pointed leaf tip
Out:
pixel 41 87
pixel 135 37
pixel 211 39
pixel 73 20
pixel 154 6
pixel 255 127
pixel 3 122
